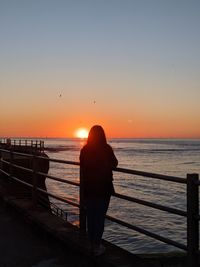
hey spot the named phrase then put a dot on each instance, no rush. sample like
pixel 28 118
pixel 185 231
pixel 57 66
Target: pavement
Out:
pixel 22 245
pixel 34 237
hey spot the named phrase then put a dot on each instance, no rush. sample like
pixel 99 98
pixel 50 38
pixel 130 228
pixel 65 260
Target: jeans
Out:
pixel 96 212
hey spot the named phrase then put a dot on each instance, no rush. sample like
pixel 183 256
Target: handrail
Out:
pixel 17 166
pixel 132 199
pixel 192 196
pixel 58 179
pixel 41 190
pixel 130 226
pixel 65 200
pixel 18 153
pixel 60 160
pixel 128 171
pixel 121 196
pixel 152 205
pixel 123 170
pixel 148 233
pixel 153 175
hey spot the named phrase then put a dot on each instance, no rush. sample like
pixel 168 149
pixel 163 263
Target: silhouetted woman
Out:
pixel 97 161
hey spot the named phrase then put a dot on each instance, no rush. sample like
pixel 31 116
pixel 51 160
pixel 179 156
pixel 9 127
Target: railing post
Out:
pixel 192 219
pixel 34 189
pixel 82 211
pixel 10 170
pixel 0 158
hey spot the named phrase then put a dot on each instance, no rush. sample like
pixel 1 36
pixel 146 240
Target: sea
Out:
pixel 174 157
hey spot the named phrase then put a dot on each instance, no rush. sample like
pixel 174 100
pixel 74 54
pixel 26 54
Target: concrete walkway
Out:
pixel 36 238
pixel 23 246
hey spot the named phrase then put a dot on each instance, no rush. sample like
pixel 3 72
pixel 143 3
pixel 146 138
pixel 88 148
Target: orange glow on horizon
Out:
pixel 114 126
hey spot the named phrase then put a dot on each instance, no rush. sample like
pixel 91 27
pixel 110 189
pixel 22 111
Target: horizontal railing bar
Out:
pixel 130 226
pixel 59 160
pixel 20 181
pixel 23 154
pixel 128 171
pixel 43 191
pixel 17 166
pixel 58 179
pixel 139 201
pixel 59 198
pixel 145 232
pixel 42 174
pixel 22 168
pixel 152 175
pixel 16 153
pixel 152 205
pixel 123 170
pixel 136 228
pixel 5 150
pixel 132 199
pixel 6 173
pixel 5 161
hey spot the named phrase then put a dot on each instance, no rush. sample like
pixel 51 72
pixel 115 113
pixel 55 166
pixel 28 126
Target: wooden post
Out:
pixel 34 189
pixel 82 211
pixel 192 219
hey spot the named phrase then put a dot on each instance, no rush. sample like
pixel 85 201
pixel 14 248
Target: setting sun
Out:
pixel 81 133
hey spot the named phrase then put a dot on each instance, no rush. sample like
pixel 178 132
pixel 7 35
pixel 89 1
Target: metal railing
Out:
pixel 22 143
pixel 192 214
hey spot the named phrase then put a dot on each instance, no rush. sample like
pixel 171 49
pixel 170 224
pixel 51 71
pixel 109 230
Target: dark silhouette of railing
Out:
pixel 192 214
pixel 22 144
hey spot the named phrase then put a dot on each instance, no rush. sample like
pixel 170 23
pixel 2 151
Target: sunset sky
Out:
pixel 132 66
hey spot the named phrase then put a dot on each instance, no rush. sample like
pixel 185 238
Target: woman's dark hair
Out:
pixel 96 136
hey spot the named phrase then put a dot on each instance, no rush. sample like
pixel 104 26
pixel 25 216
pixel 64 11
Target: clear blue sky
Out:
pixel 139 60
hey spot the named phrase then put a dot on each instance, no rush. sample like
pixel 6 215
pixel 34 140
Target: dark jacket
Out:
pixel 96 165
